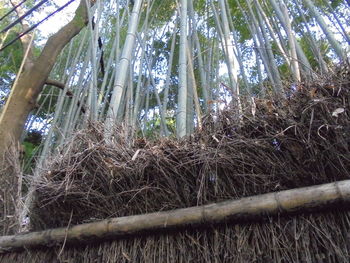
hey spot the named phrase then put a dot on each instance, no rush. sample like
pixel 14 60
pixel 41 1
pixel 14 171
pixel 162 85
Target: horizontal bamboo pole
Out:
pixel 289 201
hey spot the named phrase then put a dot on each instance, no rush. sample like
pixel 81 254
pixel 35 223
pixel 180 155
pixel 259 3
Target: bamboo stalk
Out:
pixel 254 207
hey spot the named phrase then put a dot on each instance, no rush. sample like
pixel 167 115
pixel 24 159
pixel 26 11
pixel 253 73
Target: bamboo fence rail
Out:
pixel 254 207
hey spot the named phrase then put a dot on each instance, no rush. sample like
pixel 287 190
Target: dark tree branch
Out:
pixel 100 45
pixel 69 93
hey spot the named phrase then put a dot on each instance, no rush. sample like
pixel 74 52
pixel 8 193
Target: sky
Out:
pixel 54 23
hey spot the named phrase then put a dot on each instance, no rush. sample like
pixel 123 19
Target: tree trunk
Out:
pixel 305 65
pixel 202 75
pixel 230 56
pixel 24 94
pixel 331 38
pixel 279 43
pixel 270 58
pixel 10 192
pixel 182 93
pixel 291 40
pixel 123 67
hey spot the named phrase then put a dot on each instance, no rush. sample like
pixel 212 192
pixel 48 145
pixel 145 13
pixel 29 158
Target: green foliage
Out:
pixel 322 3
pixel 335 3
pixel 322 45
pixel 11 57
pixel 3 9
pixel 29 150
pixel 284 70
pixel 153 127
pixel 239 21
pixel 10 61
pixel 30 145
pixel 161 12
pixel 200 6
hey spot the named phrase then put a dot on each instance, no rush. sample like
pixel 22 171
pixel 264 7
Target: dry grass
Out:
pixel 287 144
pixel 10 192
pixel 290 143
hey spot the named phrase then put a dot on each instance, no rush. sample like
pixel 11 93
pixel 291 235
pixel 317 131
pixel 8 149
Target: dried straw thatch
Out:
pixel 286 144
pixel 10 192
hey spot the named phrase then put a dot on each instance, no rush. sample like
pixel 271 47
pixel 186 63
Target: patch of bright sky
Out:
pixel 58 20
pixel 47 28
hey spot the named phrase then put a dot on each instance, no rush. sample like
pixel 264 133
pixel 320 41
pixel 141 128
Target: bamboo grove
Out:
pixel 150 64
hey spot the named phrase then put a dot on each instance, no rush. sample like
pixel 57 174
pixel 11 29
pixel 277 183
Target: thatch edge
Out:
pixel 254 207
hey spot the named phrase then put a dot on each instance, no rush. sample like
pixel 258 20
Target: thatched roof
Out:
pixel 288 143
